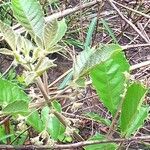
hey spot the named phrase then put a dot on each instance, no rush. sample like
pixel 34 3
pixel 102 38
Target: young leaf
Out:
pixel 53 33
pixel 8 35
pixel 107 146
pixel 89 33
pixel 131 106
pixel 30 16
pixel 45 64
pixel 10 92
pixel 108 79
pixel 88 59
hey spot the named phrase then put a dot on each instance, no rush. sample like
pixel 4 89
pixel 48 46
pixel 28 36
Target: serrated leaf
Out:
pixel 53 33
pixel 108 79
pixel 96 117
pixel 107 146
pixel 16 107
pixel 138 121
pixel 6 51
pixel 30 16
pixel 8 35
pixel 88 59
pixel 10 92
pixel 131 106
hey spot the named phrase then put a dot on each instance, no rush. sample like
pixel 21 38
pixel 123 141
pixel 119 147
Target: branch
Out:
pixel 75 145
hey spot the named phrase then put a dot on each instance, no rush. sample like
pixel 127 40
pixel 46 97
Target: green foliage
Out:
pixel 7 94
pixel 108 79
pixel 89 33
pixel 88 59
pixel 53 33
pixel 132 114
pixel 106 65
pixel 99 137
pixel 16 107
pixel 30 15
pixel 47 121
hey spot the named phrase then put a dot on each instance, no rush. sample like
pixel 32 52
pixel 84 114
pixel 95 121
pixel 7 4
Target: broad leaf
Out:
pixel 10 92
pixel 8 35
pixel 30 15
pixel 131 106
pixel 47 121
pixel 108 79
pixel 16 107
pixel 88 59
pixel 34 120
pixel 99 137
pixel 53 33
pixel 141 116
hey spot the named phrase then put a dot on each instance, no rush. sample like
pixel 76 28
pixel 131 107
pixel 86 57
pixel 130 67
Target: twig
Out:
pixel 139 65
pixel 127 21
pixel 135 11
pixel 64 13
pixel 75 145
pixel 135 46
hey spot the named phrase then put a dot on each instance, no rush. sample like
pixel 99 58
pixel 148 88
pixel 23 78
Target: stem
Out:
pixel 59 116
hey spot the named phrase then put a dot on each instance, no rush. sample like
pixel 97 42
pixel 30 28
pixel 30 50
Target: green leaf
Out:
pixel 88 59
pixel 53 33
pixel 8 35
pixel 109 30
pixel 16 107
pixel 108 79
pixel 10 92
pixel 138 121
pixel 99 137
pixel 89 33
pixel 35 121
pixel 45 64
pixel 30 16
pixel 131 106
pixel 96 117
pixel 66 80
pixel 6 51
pixel 54 127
